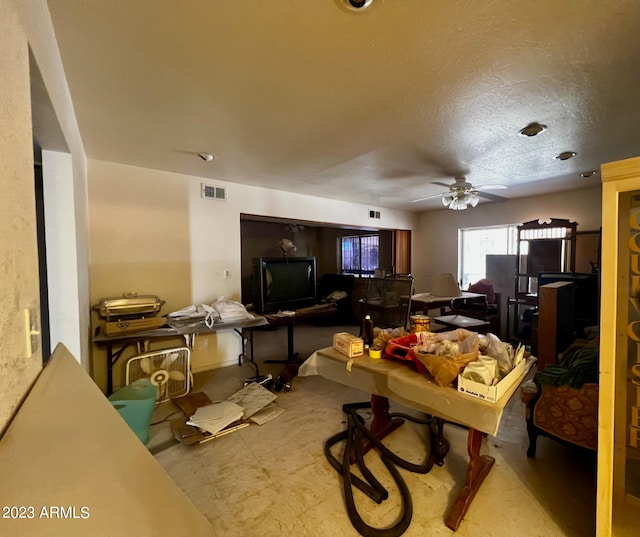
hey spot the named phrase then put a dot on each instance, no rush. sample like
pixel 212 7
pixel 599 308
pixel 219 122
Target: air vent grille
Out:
pixel 213 192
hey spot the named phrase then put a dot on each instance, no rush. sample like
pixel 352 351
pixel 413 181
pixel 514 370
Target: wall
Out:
pixel 151 232
pixel 65 182
pixel 27 25
pixel 18 252
pixel 435 244
pixel 260 239
pixel 64 315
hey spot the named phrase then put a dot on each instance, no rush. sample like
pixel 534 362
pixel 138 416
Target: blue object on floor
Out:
pixel 135 403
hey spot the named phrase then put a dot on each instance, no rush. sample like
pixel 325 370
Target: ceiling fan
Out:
pixel 461 194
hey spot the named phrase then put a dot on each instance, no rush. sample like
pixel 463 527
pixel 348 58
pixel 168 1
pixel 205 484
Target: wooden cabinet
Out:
pixel 618 507
pixel 555 321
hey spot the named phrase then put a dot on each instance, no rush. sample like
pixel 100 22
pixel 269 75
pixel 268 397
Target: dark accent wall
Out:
pixel 259 237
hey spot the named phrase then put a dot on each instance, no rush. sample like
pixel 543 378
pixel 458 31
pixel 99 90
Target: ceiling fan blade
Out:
pixel 440 184
pixel 491 187
pixel 428 197
pixel 492 197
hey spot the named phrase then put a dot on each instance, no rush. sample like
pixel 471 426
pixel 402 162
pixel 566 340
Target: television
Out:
pixel 586 294
pixel 283 283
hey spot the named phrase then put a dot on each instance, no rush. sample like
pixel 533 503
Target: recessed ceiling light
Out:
pixel 206 156
pixel 354 5
pixel 566 155
pixel 584 175
pixel 532 129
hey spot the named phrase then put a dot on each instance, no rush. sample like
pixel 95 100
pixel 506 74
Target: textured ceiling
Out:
pixel 372 106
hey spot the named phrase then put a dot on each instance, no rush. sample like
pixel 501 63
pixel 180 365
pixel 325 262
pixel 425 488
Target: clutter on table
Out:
pixel 219 311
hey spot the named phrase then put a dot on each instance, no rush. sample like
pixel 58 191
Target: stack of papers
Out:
pixel 268 413
pixel 252 402
pixel 216 416
pixel 252 398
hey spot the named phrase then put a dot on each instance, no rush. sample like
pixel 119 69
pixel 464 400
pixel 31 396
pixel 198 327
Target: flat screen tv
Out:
pixel 283 283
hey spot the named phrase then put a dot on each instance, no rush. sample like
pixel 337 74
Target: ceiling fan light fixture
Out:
pixel 532 129
pixel 460 200
pixel 458 205
pixel 565 155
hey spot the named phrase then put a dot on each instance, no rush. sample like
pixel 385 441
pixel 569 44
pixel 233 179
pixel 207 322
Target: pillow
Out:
pixel 484 287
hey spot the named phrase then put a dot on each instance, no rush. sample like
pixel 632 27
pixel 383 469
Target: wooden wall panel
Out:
pixel 402 251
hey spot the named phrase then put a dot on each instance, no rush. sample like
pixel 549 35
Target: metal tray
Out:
pixel 129 305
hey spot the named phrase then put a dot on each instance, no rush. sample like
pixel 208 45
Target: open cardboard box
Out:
pixel 491 394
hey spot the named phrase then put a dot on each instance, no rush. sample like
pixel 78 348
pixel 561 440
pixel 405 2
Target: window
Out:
pixel 359 255
pixel 474 245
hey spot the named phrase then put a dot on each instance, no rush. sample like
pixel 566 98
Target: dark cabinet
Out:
pixel 542 247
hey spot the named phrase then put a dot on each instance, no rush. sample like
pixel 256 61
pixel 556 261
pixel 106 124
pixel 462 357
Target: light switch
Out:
pixel 31 330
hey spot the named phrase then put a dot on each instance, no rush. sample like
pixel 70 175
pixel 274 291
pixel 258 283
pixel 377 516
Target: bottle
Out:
pixel 366 331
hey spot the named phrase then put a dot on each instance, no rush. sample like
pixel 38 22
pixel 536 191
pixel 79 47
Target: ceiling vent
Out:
pixel 212 192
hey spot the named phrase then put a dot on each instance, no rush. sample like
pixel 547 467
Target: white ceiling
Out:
pixel 371 106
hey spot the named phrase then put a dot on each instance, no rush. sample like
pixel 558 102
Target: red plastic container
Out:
pixel 401 349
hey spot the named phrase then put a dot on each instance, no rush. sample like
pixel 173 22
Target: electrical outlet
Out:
pixel 226 274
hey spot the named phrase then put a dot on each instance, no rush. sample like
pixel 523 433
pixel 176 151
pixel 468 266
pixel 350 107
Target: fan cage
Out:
pixel 169 360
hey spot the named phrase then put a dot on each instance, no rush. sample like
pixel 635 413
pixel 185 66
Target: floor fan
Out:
pixel 169 370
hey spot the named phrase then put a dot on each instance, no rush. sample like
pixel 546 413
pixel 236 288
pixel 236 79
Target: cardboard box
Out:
pixel 112 328
pixel 348 344
pixel 491 394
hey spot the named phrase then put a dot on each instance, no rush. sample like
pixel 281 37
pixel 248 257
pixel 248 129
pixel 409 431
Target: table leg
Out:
pixel 243 352
pixel 112 358
pixel 382 424
pixel 109 370
pixel 479 466
pixel 291 354
pixel 440 443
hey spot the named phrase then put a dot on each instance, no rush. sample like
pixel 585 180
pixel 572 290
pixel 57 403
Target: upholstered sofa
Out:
pixel 564 404
pixel 338 289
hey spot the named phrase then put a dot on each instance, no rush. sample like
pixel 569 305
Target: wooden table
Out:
pixel 427 301
pixel 400 382
pixel 290 319
pixel 462 321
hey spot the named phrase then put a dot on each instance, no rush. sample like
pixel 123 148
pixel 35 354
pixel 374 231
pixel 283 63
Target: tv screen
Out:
pixel 284 283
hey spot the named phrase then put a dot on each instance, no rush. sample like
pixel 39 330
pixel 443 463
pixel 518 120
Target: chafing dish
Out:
pixel 129 306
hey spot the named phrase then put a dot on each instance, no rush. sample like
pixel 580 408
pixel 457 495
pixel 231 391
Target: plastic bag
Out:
pixel 231 311
pixel 445 369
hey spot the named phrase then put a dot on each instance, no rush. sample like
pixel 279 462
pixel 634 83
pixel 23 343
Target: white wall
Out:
pixel 435 245
pixel 60 227
pixel 151 232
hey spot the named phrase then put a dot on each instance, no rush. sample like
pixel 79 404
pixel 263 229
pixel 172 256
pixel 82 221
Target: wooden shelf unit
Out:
pixel 541 247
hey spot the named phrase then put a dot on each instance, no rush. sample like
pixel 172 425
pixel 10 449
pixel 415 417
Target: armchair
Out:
pixel 564 406
pixel 485 308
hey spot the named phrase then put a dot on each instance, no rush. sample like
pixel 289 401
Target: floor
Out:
pixel 273 479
